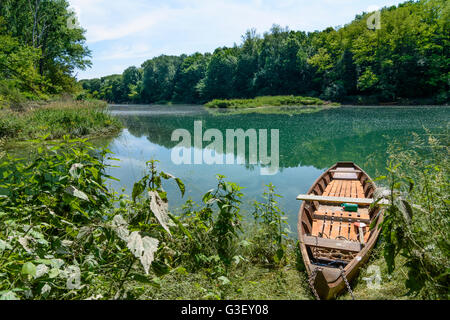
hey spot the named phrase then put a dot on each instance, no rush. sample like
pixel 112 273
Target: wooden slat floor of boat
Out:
pixel 344 188
pixel 353 235
pixel 345 230
pixel 338 224
pixel 334 228
pixel 337 230
pixel 317 227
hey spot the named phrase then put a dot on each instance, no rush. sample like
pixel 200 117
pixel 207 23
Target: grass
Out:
pixel 56 119
pixel 250 281
pixel 267 101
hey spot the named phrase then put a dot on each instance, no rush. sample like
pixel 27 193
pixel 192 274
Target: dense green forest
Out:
pixel 406 60
pixel 40 49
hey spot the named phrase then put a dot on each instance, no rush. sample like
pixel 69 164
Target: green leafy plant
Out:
pixel 226 197
pixel 416 223
pixel 271 228
pixel 208 235
pixel 61 235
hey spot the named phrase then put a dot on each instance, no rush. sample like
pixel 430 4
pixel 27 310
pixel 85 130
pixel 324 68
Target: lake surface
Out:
pixel 308 145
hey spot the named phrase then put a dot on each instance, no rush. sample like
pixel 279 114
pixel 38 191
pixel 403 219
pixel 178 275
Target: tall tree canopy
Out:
pixel 408 57
pixel 49 29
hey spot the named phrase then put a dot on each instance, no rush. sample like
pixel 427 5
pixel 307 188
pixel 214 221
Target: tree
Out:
pixel 219 80
pixel 191 71
pixel 47 25
pixel 158 79
pixel 247 65
pixel 17 66
pixel 131 77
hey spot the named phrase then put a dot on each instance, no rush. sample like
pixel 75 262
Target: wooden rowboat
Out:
pixel 335 243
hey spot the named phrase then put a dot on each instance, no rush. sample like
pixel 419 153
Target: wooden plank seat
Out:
pixel 332 243
pixel 331 199
pixel 345 170
pixel 345 175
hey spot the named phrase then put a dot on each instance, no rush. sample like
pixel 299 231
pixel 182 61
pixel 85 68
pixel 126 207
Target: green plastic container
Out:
pixel 350 207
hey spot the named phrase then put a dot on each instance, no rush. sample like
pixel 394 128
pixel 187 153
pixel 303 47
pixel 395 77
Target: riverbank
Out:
pixel 266 101
pixel 56 119
pixel 207 252
pixel 69 236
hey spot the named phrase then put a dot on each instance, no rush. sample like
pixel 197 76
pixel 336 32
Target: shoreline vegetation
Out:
pixel 57 118
pixel 268 101
pixel 65 235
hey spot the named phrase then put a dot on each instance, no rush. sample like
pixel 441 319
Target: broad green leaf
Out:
pixel 53 273
pixel 120 226
pixel 77 193
pixel 8 295
pixel 180 225
pixel 41 270
pixel 405 208
pixel 138 188
pixel 167 176
pixel 4 245
pixel 181 186
pixel 159 209
pixel 45 290
pixel 29 268
pixel 224 280
pixel 143 248
pixel 207 196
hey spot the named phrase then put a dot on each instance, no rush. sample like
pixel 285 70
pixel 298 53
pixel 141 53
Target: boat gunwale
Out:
pixel 352 268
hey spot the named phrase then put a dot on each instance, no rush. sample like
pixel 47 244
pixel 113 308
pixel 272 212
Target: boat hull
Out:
pixel 329 281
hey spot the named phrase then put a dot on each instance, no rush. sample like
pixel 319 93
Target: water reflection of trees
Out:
pixel 317 139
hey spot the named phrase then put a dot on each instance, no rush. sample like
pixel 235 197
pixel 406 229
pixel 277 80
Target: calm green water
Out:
pixel 309 144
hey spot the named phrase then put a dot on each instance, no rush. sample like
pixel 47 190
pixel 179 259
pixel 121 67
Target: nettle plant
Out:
pixel 151 214
pixel 416 224
pixel 61 234
pixel 272 228
pixel 209 234
pixel 227 223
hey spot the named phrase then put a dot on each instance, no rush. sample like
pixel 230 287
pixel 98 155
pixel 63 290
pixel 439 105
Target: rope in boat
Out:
pixel 346 282
pixel 312 277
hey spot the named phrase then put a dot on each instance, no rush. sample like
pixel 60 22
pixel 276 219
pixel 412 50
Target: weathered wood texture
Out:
pixel 332 244
pixel 331 199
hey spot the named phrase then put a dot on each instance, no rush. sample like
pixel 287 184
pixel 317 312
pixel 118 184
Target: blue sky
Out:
pixel 122 33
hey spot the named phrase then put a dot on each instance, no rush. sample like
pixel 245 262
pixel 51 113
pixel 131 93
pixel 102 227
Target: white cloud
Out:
pixel 373 8
pixel 130 31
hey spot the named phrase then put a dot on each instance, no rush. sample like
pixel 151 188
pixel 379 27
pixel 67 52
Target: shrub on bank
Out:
pixel 416 224
pixel 58 118
pixel 265 101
